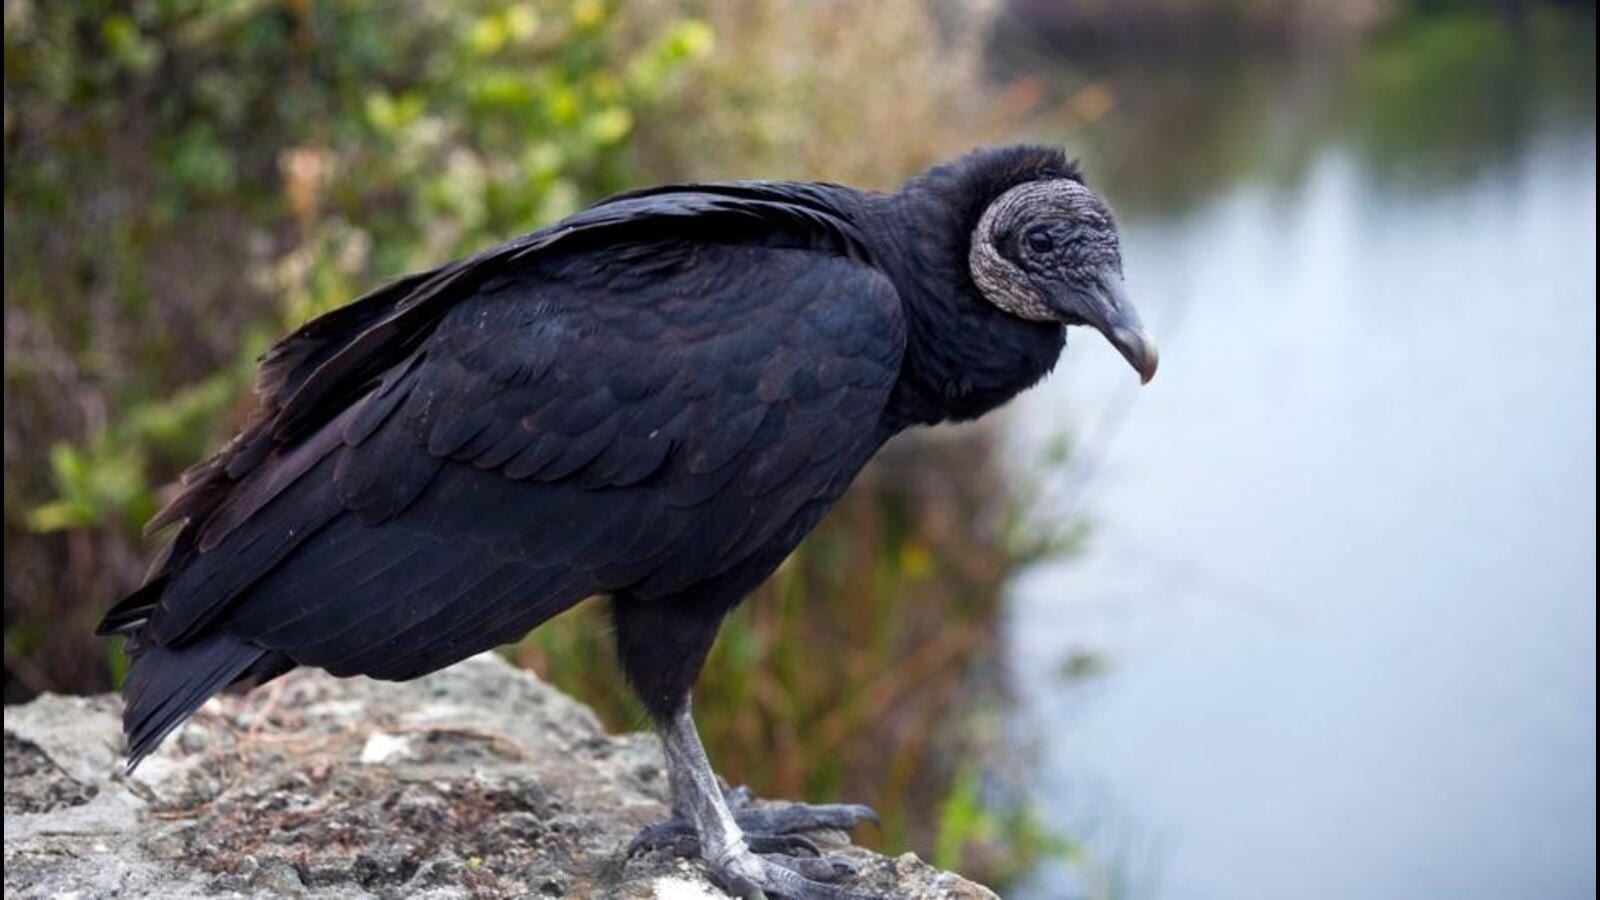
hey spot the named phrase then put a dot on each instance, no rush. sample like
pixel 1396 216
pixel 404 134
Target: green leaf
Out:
pixel 608 126
pixel 59 515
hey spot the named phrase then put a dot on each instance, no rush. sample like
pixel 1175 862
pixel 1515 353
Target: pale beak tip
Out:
pixel 1139 349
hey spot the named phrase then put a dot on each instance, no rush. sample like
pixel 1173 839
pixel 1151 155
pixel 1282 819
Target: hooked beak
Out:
pixel 1106 308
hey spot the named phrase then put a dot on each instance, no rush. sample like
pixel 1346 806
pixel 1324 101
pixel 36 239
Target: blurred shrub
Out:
pixel 186 179
pixel 1441 97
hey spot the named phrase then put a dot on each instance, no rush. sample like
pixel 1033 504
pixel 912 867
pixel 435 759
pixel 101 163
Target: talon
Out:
pixel 674 835
pixel 866 813
pixel 782 843
pixel 814 868
pixel 792 817
pixel 843 868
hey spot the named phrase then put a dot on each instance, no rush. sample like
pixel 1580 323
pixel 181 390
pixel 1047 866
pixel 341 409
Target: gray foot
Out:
pixel 781 861
pixel 768 828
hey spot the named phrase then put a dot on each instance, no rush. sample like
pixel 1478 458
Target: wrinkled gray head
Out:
pixel 1048 251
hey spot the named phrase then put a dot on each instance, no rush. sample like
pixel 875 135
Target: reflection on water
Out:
pixel 1343 562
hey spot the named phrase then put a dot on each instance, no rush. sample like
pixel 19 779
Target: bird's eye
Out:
pixel 1039 240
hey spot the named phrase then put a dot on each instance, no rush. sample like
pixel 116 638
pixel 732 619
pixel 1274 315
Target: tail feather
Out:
pixel 167 684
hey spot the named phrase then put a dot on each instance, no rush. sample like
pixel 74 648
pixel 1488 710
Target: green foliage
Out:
pixel 94 484
pixel 118 662
pixel 969 826
pixel 368 138
pixel 1437 98
pixel 105 481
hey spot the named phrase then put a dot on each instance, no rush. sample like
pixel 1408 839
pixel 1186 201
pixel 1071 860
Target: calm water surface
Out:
pixel 1341 570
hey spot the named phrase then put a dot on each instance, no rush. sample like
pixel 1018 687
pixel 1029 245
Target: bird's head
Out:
pixel 1047 251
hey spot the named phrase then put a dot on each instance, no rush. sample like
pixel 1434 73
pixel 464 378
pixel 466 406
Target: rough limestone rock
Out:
pixel 478 781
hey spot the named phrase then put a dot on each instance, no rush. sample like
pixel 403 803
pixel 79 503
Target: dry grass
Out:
pixel 858 93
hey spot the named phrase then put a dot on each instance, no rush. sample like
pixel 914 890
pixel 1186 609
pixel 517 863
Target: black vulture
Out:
pixel 651 401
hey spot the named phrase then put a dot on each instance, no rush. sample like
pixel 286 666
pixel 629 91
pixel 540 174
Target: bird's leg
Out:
pixel 703 821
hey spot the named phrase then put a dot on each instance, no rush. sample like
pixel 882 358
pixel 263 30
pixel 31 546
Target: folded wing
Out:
pixel 637 401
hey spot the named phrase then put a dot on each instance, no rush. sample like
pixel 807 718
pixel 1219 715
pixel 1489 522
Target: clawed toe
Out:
pixel 817 868
pixel 787 844
pixel 795 878
pixel 789 818
pixel 674 835
pixel 777 859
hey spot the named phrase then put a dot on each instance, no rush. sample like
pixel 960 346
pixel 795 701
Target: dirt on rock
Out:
pixel 478 781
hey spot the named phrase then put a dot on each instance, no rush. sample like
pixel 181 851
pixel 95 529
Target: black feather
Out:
pixel 166 685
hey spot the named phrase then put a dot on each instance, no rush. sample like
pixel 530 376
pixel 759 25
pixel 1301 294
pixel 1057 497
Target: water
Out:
pixel 1342 565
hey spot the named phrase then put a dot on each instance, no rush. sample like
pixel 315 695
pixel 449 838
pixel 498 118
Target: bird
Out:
pixel 651 402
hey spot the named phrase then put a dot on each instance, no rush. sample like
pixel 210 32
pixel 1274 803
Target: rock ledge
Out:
pixel 478 781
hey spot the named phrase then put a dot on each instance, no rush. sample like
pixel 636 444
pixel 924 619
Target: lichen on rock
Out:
pixel 478 781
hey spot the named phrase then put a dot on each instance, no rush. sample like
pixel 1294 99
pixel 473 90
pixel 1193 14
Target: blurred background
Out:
pixel 1311 616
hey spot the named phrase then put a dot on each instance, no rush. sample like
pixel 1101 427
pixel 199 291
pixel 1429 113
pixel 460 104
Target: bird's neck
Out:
pixel 963 357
